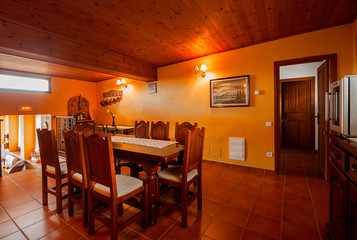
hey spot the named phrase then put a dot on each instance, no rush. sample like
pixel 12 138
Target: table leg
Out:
pixel 151 170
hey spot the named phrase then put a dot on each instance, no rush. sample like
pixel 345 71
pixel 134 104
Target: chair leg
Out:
pixel 59 195
pixel 85 207
pixel 70 202
pixel 184 207
pixel 114 221
pixel 146 207
pixel 199 194
pixel 120 209
pixel 44 192
pixel 90 217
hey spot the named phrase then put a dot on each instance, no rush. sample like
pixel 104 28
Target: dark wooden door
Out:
pixel 298 130
pixel 322 83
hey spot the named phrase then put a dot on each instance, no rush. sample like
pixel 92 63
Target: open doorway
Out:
pixel 299 125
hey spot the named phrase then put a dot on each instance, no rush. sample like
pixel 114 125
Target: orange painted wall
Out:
pixel 14 132
pixel 54 103
pixel 29 136
pixel 354 49
pixel 180 97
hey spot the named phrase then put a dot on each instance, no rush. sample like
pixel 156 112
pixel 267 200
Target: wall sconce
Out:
pixel 200 71
pixel 122 83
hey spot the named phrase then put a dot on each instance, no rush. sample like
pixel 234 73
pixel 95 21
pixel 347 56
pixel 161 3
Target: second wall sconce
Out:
pixel 122 83
pixel 201 72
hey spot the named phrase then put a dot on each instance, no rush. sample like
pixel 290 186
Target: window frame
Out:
pixel 26 75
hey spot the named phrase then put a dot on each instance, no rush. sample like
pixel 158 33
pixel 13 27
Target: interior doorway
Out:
pixel 280 115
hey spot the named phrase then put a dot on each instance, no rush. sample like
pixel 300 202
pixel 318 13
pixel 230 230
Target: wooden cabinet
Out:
pixel 343 189
pixel 352 212
pixel 63 123
pixel 338 200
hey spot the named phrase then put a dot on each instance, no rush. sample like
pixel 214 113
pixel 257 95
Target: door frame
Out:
pixel 331 61
pixel 312 109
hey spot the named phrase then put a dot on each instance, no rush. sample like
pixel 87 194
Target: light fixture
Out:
pixel 201 72
pixel 122 82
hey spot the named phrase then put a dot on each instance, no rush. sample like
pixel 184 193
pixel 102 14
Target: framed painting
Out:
pixel 152 88
pixel 230 92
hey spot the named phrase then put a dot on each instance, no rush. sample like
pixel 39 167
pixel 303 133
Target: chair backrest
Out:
pixel 73 142
pixel 100 161
pixel 48 149
pixel 160 130
pixel 86 128
pixel 141 129
pixel 193 150
pixel 180 131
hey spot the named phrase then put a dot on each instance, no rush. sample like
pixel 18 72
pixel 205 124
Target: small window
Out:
pixel 17 82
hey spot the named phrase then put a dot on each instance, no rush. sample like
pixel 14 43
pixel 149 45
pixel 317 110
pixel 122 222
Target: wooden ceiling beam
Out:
pixel 23 41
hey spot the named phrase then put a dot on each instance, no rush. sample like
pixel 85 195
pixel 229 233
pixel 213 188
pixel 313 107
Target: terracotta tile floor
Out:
pixel 238 203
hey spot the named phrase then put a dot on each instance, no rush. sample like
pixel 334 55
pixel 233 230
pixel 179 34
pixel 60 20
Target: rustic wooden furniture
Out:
pixel 63 123
pixel 160 130
pixel 343 188
pixel 78 107
pixel 180 136
pixel 180 131
pixel 181 177
pixel 149 158
pixel 108 187
pixel 141 129
pixel 77 176
pixel 86 128
pixel 51 167
pixel 0 151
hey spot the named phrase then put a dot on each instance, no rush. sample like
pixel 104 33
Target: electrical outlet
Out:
pixel 269 154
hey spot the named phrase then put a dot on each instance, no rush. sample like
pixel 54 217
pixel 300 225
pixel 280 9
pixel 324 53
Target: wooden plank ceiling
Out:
pixel 132 38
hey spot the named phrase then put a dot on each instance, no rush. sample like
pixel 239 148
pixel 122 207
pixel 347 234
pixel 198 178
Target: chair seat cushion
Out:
pixel 78 177
pixel 52 170
pixel 125 185
pixel 175 174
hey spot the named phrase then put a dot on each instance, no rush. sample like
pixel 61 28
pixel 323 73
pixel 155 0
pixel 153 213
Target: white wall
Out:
pixel 299 71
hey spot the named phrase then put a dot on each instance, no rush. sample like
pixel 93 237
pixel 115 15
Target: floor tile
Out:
pixel 15 236
pixel 263 225
pixel 300 218
pixel 44 227
pixel 233 215
pixel 250 235
pixel 179 233
pixel 267 209
pixel 7 228
pixel 155 232
pixel 221 230
pixel 24 208
pixel 241 201
pixel 64 233
pixel 32 217
pixel 293 232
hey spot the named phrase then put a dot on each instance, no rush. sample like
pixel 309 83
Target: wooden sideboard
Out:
pixel 0 151
pixel 343 189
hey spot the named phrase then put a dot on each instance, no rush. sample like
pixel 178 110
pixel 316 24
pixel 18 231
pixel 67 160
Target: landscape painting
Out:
pixel 230 92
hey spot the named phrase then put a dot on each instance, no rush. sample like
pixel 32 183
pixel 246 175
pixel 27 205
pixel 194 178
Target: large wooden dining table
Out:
pixel 149 158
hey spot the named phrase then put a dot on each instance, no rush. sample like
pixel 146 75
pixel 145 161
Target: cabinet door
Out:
pixel 338 203
pixel 352 212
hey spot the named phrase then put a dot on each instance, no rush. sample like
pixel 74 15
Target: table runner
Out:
pixel 142 141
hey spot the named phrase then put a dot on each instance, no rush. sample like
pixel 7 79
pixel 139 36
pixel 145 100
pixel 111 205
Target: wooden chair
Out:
pixel 160 130
pixel 106 186
pixel 51 167
pixel 86 128
pixel 77 176
pixel 180 131
pixel 181 177
pixel 141 129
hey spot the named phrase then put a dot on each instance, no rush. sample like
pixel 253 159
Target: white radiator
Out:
pixel 237 148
